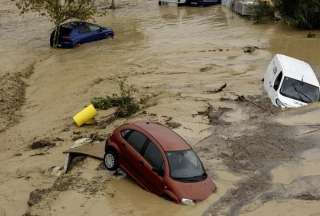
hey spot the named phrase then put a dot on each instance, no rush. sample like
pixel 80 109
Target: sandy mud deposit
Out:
pixel 179 58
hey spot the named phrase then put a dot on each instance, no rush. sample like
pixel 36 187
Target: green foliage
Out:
pixel 300 13
pixel 58 11
pixel 125 101
pixel 263 11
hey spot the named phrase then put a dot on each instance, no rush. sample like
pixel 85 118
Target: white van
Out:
pixel 290 82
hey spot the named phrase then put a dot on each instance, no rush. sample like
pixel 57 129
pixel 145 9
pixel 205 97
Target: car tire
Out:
pixel 111 160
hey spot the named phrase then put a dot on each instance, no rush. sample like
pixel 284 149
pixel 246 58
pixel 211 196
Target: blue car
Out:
pixel 77 32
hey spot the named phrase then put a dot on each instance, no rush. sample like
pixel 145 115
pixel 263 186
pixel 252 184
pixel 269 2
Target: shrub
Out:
pixel 300 13
pixel 262 11
pixel 125 101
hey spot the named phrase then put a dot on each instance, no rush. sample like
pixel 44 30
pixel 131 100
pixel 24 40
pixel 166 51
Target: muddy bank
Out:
pixel 12 96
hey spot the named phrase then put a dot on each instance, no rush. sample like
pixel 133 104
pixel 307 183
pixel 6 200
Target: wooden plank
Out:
pixel 91 150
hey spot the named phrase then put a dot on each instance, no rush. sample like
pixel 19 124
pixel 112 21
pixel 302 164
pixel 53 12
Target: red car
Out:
pixel 159 160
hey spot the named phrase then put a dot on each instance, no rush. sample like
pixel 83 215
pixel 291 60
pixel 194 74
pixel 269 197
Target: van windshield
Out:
pixel 299 90
pixel 185 166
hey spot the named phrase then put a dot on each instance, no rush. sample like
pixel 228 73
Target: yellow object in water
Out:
pixel 85 115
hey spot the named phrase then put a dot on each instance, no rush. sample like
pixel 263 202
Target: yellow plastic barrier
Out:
pixel 85 115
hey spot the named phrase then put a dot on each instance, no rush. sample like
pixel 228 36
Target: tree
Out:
pixel 301 13
pixel 59 11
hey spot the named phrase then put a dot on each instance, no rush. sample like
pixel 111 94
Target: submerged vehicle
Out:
pixel 77 32
pixel 204 2
pixel 177 2
pixel 159 160
pixel 242 7
pixel 290 82
pixel 190 2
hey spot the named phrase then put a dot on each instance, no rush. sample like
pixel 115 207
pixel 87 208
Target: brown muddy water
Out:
pixel 176 56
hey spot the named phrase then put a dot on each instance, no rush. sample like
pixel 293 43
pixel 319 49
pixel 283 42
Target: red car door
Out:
pixel 153 168
pixel 131 148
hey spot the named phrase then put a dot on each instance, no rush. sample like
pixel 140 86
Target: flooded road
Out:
pixel 176 55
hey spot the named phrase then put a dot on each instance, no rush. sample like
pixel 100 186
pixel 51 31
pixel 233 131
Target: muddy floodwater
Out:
pixel 263 160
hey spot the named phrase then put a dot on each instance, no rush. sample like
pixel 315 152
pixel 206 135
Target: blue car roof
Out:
pixel 75 24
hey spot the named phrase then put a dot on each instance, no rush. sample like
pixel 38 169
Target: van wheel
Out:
pixel 111 160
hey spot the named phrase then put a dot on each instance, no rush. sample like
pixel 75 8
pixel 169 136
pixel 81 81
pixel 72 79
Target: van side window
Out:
pixel 277 82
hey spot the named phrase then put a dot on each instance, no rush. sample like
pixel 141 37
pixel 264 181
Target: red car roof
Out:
pixel 168 139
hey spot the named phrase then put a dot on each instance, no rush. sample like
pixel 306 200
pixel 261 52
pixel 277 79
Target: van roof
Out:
pixel 297 69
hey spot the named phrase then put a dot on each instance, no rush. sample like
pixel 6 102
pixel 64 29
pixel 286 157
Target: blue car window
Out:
pixel 93 28
pixel 83 28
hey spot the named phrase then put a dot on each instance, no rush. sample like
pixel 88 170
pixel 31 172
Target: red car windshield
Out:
pixel 185 166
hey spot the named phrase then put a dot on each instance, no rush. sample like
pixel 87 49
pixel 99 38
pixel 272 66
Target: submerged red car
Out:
pixel 159 160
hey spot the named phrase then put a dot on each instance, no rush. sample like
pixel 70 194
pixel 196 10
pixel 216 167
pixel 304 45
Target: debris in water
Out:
pixel 85 116
pixel 42 144
pixel 311 35
pixel 205 69
pixel 217 90
pixel 36 196
pixel 173 125
pixel 81 142
pixel 250 49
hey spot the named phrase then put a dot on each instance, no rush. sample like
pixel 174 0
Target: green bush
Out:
pixel 300 13
pixel 263 12
pixel 126 102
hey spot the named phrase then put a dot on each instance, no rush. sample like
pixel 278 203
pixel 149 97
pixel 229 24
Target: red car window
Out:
pixel 153 155
pixel 136 140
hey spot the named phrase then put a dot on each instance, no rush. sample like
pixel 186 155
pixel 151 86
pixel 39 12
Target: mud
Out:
pixel 12 96
pixel 253 153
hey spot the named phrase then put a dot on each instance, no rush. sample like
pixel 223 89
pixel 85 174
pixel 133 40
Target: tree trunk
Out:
pixel 113 4
pixel 56 36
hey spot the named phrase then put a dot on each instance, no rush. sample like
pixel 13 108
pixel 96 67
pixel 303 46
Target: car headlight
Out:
pixel 185 201
pixel 280 104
